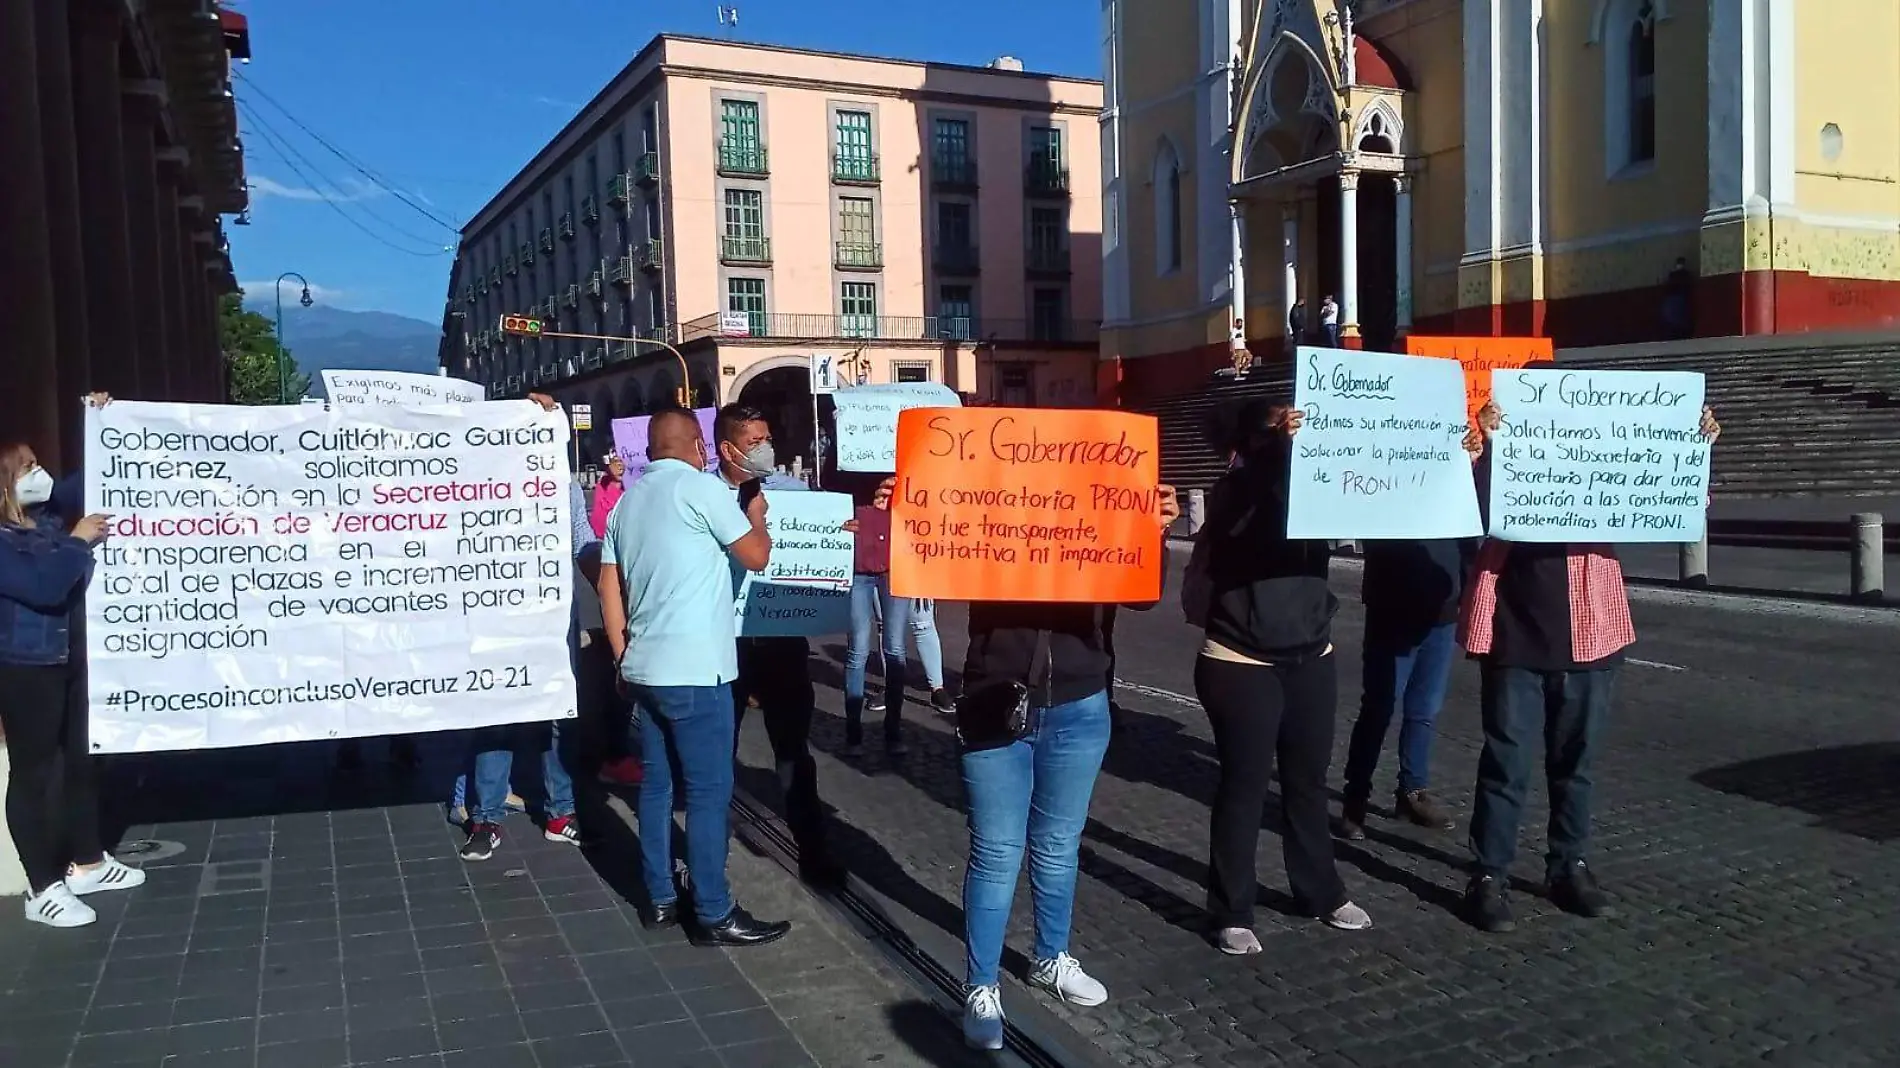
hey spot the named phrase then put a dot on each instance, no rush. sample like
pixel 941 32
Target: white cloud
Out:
pixel 267 289
pixel 349 189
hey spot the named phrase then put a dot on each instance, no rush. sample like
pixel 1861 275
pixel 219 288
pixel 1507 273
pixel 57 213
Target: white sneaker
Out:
pixel 1349 917
pixel 56 906
pixel 1064 978
pixel 983 1018
pixel 110 875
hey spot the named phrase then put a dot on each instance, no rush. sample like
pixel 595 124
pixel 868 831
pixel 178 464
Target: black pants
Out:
pixel 775 672
pixel 1566 710
pixel 52 794
pixel 1260 712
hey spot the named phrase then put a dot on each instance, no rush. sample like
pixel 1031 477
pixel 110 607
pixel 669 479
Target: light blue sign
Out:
pixel 806 589
pixel 1599 456
pixel 1380 454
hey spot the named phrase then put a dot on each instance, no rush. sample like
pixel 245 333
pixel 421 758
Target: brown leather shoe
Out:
pixel 1419 807
pixel 1351 824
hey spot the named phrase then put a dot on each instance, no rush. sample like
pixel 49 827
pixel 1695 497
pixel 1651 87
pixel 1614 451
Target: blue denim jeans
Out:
pixel 1409 680
pixel 1032 795
pixel 871 599
pixel 923 627
pixel 692 724
pixel 494 767
pixel 1568 710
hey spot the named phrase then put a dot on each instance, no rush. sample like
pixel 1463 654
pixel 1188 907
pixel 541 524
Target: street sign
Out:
pixel 582 416
pixel 824 373
pixel 735 324
pixel 520 324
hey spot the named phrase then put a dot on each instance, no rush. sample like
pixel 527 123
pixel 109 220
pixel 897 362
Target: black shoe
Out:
pixel 1351 824
pixel 660 917
pixel 941 700
pixel 1575 891
pixel 483 839
pixel 1486 907
pixel 739 929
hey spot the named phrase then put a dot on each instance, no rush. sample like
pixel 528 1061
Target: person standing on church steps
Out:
pixel 666 605
pixel 1329 321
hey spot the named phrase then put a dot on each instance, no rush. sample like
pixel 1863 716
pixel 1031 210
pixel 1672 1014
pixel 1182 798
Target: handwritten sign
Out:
pixel 399 389
pixel 1599 456
pixel 867 420
pixel 1480 356
pixel 1380 453
pixel 630 441
pixel 1026 504
pixel 806 589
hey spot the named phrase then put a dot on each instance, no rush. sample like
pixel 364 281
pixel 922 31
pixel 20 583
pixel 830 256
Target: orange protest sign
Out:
pixel 1026 504
pixel 1480 356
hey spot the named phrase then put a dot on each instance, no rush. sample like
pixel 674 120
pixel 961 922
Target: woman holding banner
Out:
pixel 1029 794
pixel 44 571
pixel 1267 677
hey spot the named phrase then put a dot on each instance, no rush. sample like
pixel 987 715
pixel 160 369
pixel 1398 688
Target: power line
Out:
pixel 334 206
pixel 284 148
pixel 354 163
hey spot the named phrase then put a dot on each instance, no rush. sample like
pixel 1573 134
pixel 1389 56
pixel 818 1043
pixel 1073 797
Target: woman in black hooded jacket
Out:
pixel 1267 677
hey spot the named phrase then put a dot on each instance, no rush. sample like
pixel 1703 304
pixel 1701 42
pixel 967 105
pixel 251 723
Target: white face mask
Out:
pixel 34 487
pixel 761 461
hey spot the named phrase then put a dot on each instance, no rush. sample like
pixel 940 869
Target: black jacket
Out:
pixel 1412 586
pixel 1270 598
pixel 1003 648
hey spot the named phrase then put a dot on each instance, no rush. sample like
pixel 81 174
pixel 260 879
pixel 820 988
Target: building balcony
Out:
pixel 748 250
pixel 952 172
pixel 526 254
pixel 1045 261
pixel 621 273
pixel 547 239
pixel 743 160
pixel 593 356
pixel 567 225
pixel 1046 179
pixel 650 256
pixel 959 259
pixel 857 257
pixel 572 297
pixel 593 284
pixel 646 169
pixel 620 189
pixel 854 168
pixel 508 265
pixel 930 328
pixel 590 210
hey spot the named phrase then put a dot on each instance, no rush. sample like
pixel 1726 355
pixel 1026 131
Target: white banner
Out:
pixel 806 589
pixel 290 573
pixel 867 420
pixel 398 389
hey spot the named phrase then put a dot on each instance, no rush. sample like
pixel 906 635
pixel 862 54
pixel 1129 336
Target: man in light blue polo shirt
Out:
pixel 666 604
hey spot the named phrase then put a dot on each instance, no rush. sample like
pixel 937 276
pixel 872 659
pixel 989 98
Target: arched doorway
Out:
pixel 784 395
pixel 1377 253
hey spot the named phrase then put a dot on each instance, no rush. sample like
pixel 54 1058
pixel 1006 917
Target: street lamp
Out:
pixel 283 368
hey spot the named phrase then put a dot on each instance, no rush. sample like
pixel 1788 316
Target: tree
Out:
pixel 251 354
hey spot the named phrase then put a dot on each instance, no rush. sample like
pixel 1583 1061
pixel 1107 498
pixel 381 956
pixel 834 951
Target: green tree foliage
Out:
pixel 251 351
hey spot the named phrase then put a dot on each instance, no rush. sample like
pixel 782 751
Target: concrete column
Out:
pixel 66 248
pixel 146 309
pixel 28 404
pixel 1349 256
pixel 1237 260
pixel 97 113
pixel 1289 265
pixel 1403 226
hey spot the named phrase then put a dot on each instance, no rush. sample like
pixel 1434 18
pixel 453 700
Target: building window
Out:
pixel 950 153
pixel 1047 249
pixel 1642 85
pixel 910 372
pixel 656 311
pixel 852 159
pixel 745 227
pixel 1629 79
pixel 953 224
pixel 1046 173
pixel 956 312
pixel 857 233
pixel 747 297
pixel 653 218
pixel 857 307
pixel 1167 185
pixel 741 149
pixel 1045 315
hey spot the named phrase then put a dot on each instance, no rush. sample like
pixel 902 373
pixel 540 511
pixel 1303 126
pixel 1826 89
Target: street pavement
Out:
pixel 1748 806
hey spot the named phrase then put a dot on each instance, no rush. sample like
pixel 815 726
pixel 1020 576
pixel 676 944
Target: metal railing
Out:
pixel 957 328
pixel 734 249
pixel 742 158
pixel 858 167
pixel 647 168
pixel 1046 179
pixel 956 259
pixel 1046 260
pixel 863 257
pixel 953 172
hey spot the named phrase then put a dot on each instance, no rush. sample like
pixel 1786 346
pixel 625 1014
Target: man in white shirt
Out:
pixel 666 604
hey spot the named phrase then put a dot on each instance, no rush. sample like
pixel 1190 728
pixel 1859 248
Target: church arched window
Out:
pixel 1167 191
pixel 1640 87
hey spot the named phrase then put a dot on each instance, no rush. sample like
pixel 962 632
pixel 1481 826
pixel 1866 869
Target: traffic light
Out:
pixel 520 324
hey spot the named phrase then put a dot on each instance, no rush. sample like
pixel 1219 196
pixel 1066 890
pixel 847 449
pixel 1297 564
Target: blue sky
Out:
pixel 445 100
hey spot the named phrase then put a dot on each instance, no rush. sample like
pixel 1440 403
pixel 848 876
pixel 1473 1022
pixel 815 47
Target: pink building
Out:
pixel 757 206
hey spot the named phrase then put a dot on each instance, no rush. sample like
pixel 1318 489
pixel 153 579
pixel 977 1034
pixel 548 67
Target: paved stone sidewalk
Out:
pixel 1749 803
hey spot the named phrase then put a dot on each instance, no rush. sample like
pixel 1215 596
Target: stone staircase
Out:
pixel 1806 415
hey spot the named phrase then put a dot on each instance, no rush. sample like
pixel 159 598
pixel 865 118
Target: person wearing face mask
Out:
pixel 773 671
pixel 44 571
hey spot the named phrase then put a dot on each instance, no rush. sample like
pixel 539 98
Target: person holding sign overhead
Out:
pixel 1548 624
pixel 1268 679
pixel 666 603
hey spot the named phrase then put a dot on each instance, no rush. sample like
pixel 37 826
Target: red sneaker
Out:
pixel 623 772
pixel 562 829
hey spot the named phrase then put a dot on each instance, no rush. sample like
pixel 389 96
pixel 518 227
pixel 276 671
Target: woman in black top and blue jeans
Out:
pixel 1267 677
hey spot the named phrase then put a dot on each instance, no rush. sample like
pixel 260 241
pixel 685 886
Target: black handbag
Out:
pixel 1000 714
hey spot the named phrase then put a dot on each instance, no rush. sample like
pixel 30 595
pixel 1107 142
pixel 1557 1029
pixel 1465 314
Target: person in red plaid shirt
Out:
pixel 1548 625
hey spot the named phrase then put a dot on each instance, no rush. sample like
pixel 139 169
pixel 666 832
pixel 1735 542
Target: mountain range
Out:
pixel 323 338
